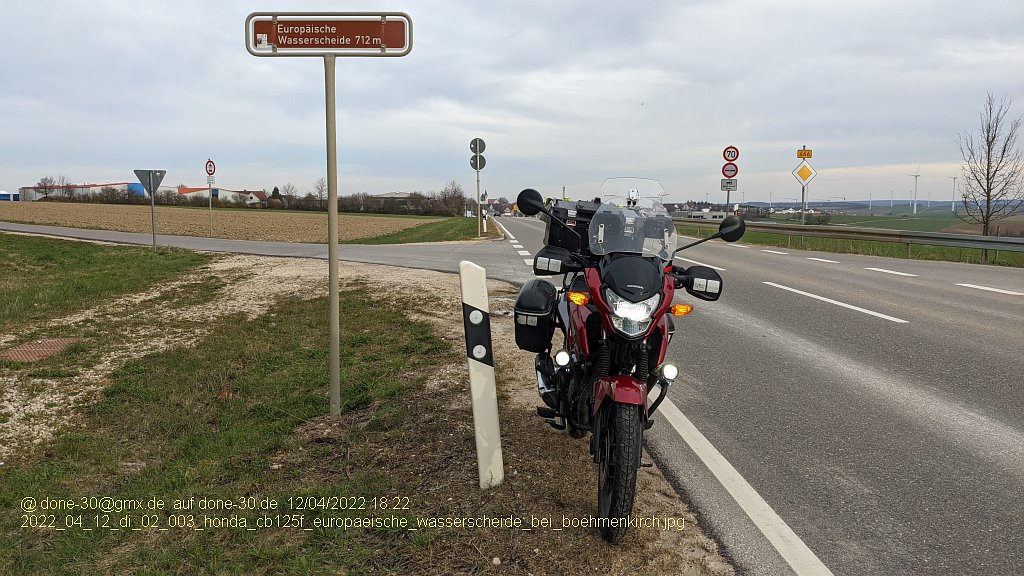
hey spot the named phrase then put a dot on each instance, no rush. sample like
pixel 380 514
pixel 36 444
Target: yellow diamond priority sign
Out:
pixel 804 173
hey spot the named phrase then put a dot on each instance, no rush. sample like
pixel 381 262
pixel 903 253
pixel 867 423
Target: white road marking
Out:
pixel 838 303
pixel 999 290
pixel 529 262
pixel 517 246
pixel 699 263
pixel 524 252
pixel 824 260
pixel 890 272
pixel 738 245
pixel 774 252
pixel 793 550
pixel 505 230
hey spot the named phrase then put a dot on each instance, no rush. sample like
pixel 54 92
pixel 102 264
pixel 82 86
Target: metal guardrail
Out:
pixel 907 237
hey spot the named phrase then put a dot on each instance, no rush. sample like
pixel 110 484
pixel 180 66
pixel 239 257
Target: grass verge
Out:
pixel 44 277
pixel 447 230
pixel 871 248
pixel 218 421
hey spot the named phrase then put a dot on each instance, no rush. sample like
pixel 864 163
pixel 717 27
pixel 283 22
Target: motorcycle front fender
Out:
pixel 621 389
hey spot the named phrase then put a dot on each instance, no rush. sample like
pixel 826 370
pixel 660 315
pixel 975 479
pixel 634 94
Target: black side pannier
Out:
pixel 577 214
pixel 534 316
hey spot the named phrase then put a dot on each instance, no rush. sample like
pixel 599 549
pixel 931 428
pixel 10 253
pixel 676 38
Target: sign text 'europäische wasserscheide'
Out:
pixel 341 34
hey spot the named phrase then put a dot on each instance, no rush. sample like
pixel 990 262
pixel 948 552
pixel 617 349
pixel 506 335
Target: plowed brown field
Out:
pixel 269 225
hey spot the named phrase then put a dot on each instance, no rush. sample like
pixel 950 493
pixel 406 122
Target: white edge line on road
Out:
pixel 838 303
pixel 890 272
pixel 999 290
pixel 774 252
pixel 505 231
pixel 793 550
pixel 824 260
pixel 738 245
pixel 524 252
pixel 699 263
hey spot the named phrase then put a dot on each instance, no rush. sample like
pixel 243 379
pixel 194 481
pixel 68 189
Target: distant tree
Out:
pixel 992 167
pixel 320 191
pixel 109 195
pixel 452 199
pixel 45 186
pixel 65 188
pixel 167 197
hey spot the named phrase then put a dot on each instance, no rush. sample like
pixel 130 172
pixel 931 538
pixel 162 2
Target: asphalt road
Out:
pixel 875 404
pixel 891 443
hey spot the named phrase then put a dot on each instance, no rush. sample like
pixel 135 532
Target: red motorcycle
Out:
pixel 616 311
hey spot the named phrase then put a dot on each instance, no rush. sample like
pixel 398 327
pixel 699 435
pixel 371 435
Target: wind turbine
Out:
pixel 915 176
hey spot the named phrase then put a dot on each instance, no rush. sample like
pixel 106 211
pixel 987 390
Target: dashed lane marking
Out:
pixel 699 263
pixel 824 260
pixel 838 303
pixel 999 290
pixel 774 252
pixel 890 272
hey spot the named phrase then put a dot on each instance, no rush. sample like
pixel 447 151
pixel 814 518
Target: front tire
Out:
pixel 616 473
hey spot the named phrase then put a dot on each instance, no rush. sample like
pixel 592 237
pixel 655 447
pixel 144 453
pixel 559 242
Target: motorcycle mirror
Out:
pixel 704 283
pixel 530 202
pixel 732 228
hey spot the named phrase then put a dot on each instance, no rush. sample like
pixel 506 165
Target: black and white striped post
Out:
pixel 477 320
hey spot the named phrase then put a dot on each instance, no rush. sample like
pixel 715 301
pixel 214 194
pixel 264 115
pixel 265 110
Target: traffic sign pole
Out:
pixel 334 304
pixel 152 205
pixel 331 34
pixel 477 162
pixel 211 169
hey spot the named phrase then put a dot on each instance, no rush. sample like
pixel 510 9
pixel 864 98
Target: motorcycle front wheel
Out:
pixel 616 473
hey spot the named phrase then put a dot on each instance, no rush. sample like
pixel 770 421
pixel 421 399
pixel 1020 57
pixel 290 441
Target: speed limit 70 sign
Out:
pixel 731 154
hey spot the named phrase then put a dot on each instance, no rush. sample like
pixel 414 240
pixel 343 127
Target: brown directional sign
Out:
pixel 338 33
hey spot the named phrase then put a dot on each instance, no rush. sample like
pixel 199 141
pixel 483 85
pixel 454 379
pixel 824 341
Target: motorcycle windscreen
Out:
pixel 644 229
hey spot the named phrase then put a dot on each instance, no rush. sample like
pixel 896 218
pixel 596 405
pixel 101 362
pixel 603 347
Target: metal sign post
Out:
pixel 730 170
pixel 477 162
pixel 211 169
pixel 804 174
pixel 330 35
pixel 151 180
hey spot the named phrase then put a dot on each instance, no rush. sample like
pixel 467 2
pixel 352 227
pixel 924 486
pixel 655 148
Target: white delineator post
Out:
pixel 477 320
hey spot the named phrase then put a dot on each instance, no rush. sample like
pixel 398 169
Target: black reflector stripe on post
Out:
pixel 478 334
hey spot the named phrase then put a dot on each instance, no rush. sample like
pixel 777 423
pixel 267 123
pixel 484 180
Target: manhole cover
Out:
pixel 38 350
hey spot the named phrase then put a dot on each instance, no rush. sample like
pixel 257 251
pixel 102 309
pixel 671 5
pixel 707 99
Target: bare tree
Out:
pixel 45 186
pixel 66 189
pixel 993 166
pixel 452 199
pixel 320 189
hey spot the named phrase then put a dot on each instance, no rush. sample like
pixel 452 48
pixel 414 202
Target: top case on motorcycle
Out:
pixel 534 316
pixel 577 216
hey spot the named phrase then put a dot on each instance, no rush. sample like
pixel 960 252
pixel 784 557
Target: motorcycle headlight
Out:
pixel 631 318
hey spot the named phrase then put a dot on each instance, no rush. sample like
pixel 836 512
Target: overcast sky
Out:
pixel 563 93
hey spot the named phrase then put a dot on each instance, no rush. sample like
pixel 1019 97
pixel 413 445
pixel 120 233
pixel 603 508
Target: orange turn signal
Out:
pixel 579 298
pixel 681 309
